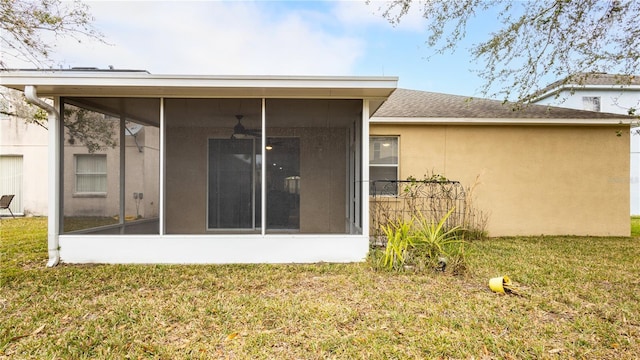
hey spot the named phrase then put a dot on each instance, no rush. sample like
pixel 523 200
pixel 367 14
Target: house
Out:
pixel 23 162
pixel 246 169
pixel 542 170
pixel 606 93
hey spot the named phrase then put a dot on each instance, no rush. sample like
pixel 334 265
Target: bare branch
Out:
pixel 539 40
pixel 24 22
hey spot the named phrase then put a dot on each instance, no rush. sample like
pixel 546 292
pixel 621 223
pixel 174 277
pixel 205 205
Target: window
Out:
pixel 91 174
pixel 591 103
pixel 383 165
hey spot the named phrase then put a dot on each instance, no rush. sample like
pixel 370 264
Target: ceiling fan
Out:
pixel 240 132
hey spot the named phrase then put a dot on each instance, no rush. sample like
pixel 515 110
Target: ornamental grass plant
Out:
pixel 422 245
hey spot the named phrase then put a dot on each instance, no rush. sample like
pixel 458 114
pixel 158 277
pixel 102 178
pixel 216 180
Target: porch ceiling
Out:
pixel 142 84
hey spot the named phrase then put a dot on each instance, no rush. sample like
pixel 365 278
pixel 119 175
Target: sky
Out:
pixel 272 38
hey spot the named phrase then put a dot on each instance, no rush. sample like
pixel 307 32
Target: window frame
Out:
pixel 594 102
pixel 372 192
pixel 76 192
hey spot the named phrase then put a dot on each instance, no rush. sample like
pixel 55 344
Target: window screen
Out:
pixel 91 174
pixel 383 164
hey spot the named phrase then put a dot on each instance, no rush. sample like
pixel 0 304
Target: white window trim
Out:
pixel 396 165
pixel 77 193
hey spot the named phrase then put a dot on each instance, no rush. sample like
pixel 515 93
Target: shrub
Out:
pixel 439 247
pixel 400 243
pixel 420 244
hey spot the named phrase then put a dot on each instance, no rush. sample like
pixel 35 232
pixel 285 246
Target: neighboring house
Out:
pixel 23 166
pixel 90 177
pixel 277 169
pixel 606 93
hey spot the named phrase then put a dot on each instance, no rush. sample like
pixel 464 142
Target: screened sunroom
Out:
pixel 201 169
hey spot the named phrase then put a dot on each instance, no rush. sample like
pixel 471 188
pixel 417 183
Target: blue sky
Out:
pixel 272 38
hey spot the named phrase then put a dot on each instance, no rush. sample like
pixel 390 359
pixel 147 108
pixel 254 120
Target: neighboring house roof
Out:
pixel 405 103
pixel 588 81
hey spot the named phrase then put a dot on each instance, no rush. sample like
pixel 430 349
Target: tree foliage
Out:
pixel 94 130
pixel 14 104
pixel 23 23
pixel 538 40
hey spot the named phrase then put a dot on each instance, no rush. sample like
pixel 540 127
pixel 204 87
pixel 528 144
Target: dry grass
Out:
pixel 581 299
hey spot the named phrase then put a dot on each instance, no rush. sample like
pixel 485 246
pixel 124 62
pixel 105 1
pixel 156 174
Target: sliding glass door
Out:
pixel 233 189
pixel 234 184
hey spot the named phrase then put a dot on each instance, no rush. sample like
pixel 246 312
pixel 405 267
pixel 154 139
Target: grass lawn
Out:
pixel 580 299
pixel 635 226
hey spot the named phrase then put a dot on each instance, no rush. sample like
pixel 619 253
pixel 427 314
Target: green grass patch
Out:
pixel 580 299
pixel 87 222
pixel 635 226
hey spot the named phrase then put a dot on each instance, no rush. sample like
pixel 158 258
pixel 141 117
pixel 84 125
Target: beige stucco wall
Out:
pixel 142 174
pixel 534 180
pixel 90 205
pixel 30 141
pixel 322 178
pixel 150 138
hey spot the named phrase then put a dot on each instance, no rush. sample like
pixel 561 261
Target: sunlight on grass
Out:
pixel 635 226
pixel 581 299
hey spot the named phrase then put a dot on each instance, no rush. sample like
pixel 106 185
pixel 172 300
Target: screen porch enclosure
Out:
pixel 231 166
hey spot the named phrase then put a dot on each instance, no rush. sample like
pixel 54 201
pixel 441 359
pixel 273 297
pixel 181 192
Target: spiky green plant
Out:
pixel 400 242
pixel 420 244
pixel 434 243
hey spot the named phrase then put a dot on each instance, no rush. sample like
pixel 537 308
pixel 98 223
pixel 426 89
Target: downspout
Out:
pixel 54 173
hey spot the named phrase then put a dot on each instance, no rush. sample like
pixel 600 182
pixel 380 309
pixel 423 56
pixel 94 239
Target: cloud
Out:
pixel 215 38
pixel 361 13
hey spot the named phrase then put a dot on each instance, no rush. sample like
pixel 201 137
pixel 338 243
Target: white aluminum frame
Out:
pixel 218 248
pixel 226 248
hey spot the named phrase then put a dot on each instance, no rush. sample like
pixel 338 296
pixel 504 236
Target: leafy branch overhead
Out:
pixel 14 104
pixel 82 127
pixel 94 130
pixel 25 23
pixel 26 30
pixel 537 41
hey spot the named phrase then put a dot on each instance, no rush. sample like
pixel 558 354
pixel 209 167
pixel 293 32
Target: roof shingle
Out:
pixel 404 103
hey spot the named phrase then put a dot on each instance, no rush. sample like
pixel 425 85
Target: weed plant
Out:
pixel 420 244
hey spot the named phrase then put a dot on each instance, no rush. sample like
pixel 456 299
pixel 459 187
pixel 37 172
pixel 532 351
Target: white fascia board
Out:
pixel 577 88
pixel 491 121
pixel 72 83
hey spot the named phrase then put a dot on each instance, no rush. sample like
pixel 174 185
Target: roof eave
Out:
pixel 498 121
pixel 144 84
